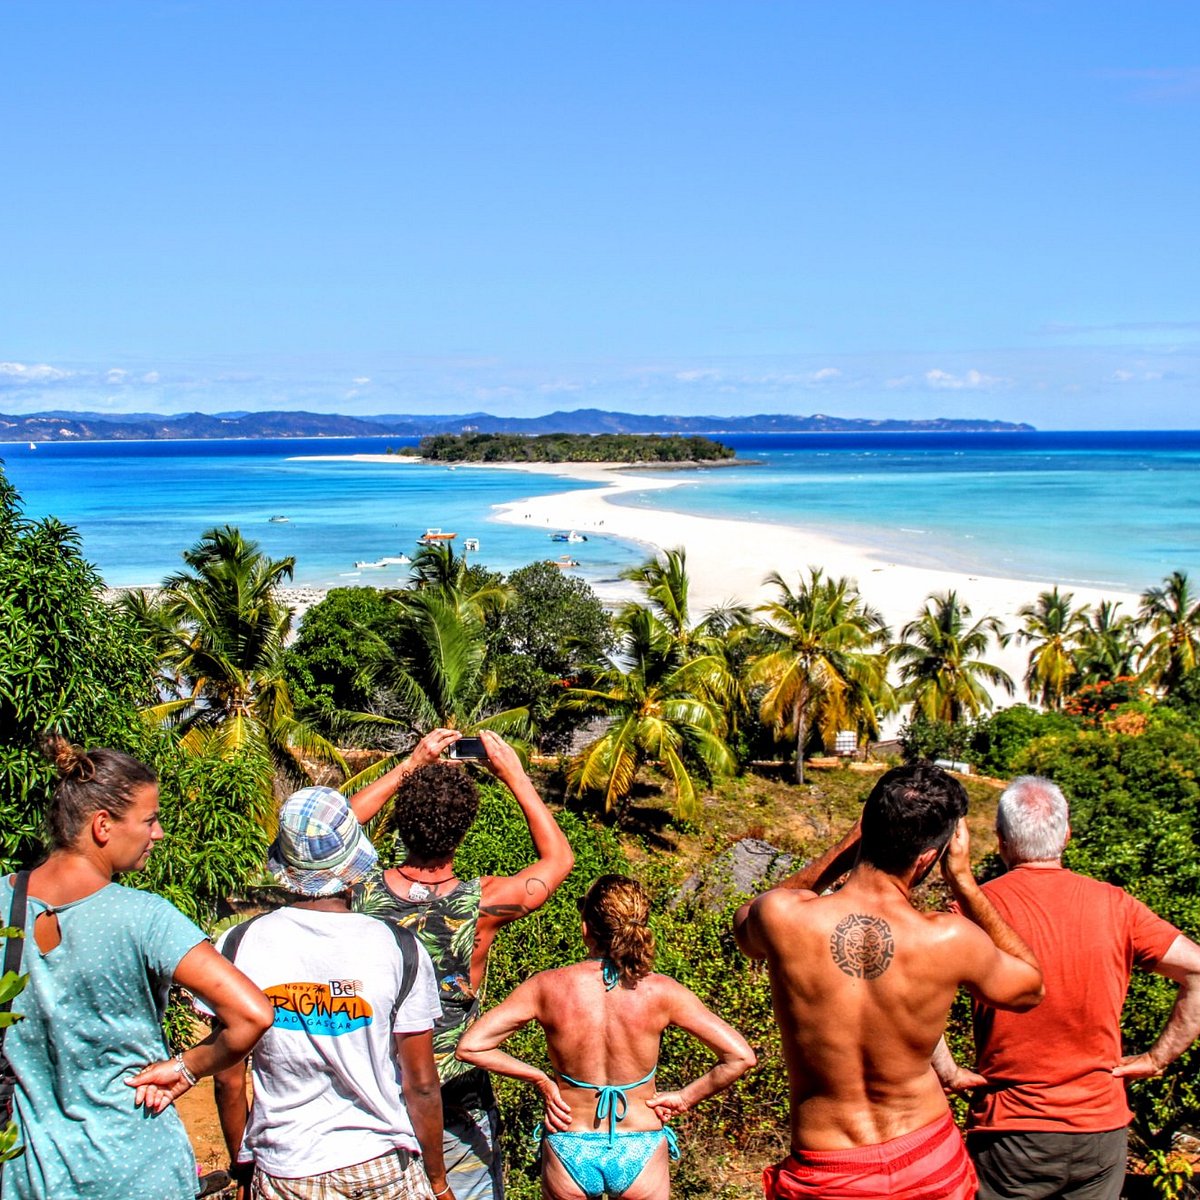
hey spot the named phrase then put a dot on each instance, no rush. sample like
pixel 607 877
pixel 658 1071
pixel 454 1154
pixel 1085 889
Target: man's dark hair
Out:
pixel 433 809
pixel 910 809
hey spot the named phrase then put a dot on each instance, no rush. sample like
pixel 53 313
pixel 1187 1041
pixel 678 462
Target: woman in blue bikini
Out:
pixel 603 1019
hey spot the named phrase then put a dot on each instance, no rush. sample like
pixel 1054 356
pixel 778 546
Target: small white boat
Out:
pixel 563 561
pixel 33 445
pixel 433 535
pixel 380 564
pixel 568 537
pixel 394 560
pixel 471 544
pixel 279 520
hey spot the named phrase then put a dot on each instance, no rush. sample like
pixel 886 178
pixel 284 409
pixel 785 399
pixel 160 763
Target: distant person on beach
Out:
pixel 604 1019
pixel 1049 1116
pixel 95 1084
pixel 457 920
pixel 355 1002
pixel 862 984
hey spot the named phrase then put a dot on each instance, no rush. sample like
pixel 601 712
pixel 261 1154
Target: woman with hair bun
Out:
pixel 604 1018
pixel 94 1080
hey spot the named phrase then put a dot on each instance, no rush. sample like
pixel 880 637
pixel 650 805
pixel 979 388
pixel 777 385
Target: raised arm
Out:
pixel 734 1056
pixel 1182 964
pixel 480 1046
pixel 366 802
pixel 1000 970
pixel 504 898
pixel 244 1015
pixel 829 867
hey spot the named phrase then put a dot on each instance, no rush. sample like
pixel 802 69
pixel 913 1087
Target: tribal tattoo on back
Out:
pixel 862 946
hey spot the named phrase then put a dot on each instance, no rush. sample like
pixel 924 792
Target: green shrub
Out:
pixel 996 740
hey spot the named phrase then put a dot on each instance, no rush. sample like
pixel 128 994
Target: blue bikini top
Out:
pixel 611 1101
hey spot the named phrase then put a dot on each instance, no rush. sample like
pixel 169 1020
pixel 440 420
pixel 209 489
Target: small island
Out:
pixel 670 449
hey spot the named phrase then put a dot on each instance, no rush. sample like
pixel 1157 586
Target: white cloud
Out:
pixel 971 380
pixel 116 375
pixel 697 376
pixel 825 373
pixel 361 380
pixel 36 373
pixel 150 377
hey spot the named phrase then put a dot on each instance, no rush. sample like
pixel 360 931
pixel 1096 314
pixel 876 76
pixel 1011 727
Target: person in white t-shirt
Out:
pixel 346 1094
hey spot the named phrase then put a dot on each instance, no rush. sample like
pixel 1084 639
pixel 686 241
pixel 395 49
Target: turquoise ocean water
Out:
pixel 1106 509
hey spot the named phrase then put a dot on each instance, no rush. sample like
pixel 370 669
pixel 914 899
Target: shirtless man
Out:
pixel 862 983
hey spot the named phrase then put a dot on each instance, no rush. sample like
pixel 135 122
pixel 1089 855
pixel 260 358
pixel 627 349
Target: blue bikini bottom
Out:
pixel 606 1162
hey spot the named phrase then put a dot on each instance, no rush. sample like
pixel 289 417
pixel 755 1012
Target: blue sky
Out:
pixel 867 209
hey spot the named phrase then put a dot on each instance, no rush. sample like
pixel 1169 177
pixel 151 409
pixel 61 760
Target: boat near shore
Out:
pixel 434 535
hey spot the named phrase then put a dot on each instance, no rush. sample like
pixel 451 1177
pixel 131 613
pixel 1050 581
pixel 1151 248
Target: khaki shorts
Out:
pixel 395 1176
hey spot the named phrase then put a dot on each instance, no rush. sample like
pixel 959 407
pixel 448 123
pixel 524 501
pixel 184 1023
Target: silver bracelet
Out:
pixel 181 1068
pixel 443 1192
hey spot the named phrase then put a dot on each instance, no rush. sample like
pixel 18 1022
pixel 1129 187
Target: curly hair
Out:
pixel 433 809
pixel 89 781
pixel 617 912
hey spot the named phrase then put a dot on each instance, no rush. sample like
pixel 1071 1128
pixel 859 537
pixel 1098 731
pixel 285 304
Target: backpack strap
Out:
pixel 406 940
pixel 233 939
pixel 14 946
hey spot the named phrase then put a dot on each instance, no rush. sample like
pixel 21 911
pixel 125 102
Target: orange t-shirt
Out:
pixel 1050 1069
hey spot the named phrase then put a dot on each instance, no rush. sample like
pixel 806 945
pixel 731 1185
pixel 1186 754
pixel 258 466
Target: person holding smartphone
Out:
pixel 456 920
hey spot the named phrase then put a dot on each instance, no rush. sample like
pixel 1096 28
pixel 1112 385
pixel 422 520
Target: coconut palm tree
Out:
pixel 824 664
pixel 661 706
pixel 1055 630
pixel 941 672
pixel 220 628
pixel 435 669
pixel 437 568
pixel 1172 612
pixel 1108 645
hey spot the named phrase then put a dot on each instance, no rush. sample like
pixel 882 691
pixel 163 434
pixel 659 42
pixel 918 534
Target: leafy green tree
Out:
pixel 554 619
pixel 1172 613
pixel 68 661
pixel 660 708
pixel 226 651
pixel 941 671
pixel 996 740
pixel 825 663
pixel 1055 630
pixel 473 589
pixel 322 666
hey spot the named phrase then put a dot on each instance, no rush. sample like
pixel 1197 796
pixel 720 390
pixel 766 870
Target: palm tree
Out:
pixel 715 635
pixel 941 672
pixel 220 629
pixel 825 665
pixel 438 569
pixel 436 671
pixel 1172 611
pixel 1056 631
pixel 661 707
pixel 1108 646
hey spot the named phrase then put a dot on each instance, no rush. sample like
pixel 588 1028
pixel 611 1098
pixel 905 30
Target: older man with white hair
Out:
pixel 1049 1116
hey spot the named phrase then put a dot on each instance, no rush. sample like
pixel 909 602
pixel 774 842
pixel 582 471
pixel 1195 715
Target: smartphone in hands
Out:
pixel 469 748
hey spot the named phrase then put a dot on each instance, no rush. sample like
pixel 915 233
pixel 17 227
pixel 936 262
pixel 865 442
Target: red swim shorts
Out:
pixel 928 1164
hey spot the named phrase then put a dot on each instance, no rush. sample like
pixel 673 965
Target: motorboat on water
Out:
pixel 379 563
pixel 573 536
pixel 471 544
pixel 393 560
pixel 563 562
pixel 433 535
pixel 279 520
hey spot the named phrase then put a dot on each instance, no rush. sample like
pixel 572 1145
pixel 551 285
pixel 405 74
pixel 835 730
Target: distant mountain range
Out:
pixel 57 426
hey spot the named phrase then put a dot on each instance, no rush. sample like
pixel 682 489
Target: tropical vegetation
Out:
pixel 570 447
